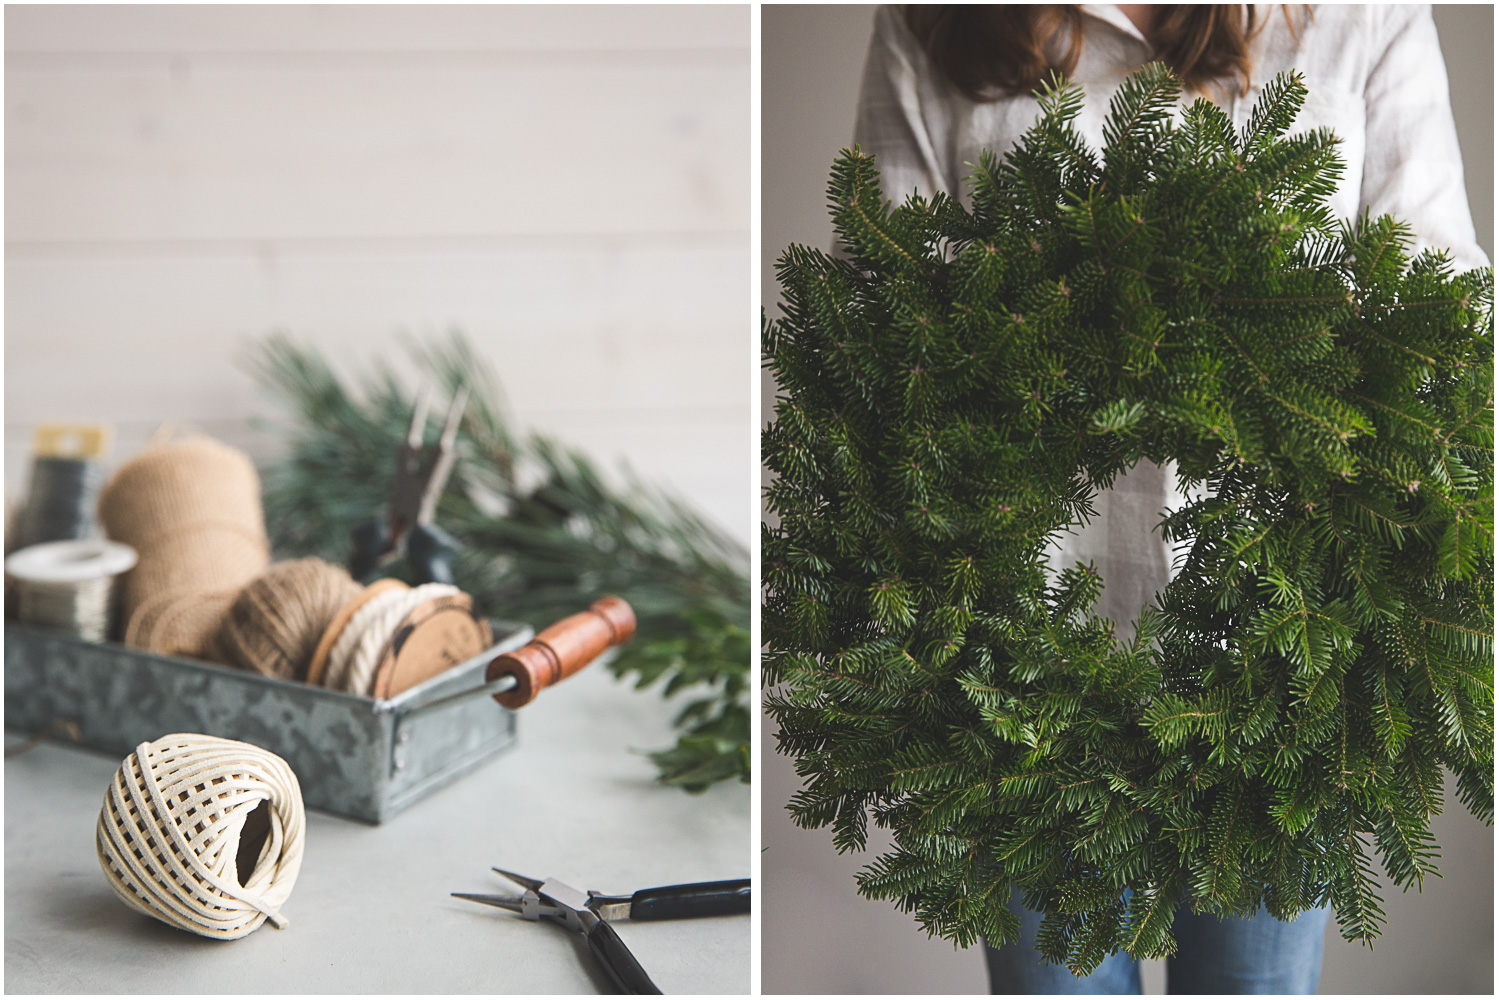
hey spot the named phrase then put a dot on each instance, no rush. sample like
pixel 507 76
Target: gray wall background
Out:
pixel 818 935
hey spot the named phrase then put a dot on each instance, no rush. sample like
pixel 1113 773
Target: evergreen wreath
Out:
pixel 953 395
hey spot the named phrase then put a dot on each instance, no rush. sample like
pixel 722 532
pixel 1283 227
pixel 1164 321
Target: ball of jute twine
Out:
pixel 362 643
pixel 203 833
pixel 276 621
pixel 180 623
pixel 191 510
pixel 197 559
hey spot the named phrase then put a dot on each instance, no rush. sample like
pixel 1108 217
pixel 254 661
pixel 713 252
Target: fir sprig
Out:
pixel 955 390
pixel 543 533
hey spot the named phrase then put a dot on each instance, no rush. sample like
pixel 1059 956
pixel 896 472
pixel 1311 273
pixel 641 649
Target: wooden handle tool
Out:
pixel 561 650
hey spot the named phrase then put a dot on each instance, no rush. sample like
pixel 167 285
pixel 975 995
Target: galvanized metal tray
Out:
pixel 353 756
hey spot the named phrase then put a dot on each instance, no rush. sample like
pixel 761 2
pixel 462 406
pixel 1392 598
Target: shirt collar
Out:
pixel 1111 14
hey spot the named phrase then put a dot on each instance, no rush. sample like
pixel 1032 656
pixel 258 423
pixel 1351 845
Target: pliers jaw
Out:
pixel 422 472
pixel 548 899
pixel 406 525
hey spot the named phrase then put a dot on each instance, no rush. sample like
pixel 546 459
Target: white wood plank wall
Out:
pixel 568 185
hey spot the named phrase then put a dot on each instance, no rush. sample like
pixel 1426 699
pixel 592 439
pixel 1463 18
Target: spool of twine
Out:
pixel 178 623
pixel 275 623
pixel 191 509
pixel 203 833
pixel 361 644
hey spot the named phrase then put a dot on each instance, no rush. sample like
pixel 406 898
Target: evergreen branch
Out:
pixel 533 553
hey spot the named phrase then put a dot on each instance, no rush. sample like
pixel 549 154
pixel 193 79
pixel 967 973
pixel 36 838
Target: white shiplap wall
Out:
pixel 569 185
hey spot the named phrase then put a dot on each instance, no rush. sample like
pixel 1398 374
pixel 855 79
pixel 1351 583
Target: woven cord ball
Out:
pixel 203 833
pixel 276 621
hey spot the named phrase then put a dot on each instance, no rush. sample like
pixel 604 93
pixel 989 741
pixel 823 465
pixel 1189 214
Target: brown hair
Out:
pixel 989 51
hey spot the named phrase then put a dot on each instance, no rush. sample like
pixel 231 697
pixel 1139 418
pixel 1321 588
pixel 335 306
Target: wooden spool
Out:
pixel 436 635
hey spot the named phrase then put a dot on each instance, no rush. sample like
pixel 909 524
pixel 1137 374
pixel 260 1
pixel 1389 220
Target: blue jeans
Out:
pixel 1255 955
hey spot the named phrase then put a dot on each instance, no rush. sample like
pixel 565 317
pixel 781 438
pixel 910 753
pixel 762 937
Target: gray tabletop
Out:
pixel 370 912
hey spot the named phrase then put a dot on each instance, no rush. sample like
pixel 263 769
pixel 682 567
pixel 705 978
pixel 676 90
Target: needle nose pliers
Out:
pixel 588 913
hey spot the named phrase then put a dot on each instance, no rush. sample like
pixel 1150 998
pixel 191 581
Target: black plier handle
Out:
pixel 675 902
pixel 622 966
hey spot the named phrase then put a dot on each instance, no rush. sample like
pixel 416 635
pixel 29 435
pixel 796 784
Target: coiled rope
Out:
pixel 362 643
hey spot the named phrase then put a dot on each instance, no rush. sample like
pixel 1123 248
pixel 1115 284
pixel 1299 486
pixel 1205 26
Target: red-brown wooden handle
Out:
pixel 561 650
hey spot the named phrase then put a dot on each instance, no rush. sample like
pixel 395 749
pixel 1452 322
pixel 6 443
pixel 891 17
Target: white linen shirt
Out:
pixel 1375 76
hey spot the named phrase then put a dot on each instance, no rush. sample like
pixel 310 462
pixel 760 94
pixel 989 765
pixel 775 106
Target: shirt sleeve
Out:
pixel 1413 167
pixel 893 122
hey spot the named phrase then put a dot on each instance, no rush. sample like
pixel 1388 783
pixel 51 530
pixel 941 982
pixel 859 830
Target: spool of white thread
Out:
pixel 70 585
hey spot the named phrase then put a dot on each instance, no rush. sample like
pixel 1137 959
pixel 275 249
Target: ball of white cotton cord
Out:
pixel 203 833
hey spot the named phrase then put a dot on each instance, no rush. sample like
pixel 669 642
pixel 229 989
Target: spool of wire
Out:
pixel 69 585
pixel 60 501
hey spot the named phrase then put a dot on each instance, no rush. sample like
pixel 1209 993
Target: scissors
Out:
pixel 588 913
pixel 421 475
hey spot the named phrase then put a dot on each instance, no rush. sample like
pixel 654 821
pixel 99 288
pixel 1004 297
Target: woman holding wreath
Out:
pixel 942 82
